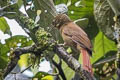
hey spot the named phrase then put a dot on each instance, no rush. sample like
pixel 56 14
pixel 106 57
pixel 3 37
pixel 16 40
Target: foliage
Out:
pixel 11 44
pixel 104 47
pixel 43 76
pixel 104 17
pixel 4 27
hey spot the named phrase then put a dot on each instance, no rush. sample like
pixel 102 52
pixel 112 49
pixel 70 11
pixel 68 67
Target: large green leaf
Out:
pixel 104 17
pixel 4 27
pixel 68 72
pixel 102 45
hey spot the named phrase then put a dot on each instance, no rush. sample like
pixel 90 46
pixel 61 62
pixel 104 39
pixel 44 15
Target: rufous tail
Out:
pixel 86 61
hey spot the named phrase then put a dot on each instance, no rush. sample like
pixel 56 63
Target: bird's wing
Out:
pixel 77 35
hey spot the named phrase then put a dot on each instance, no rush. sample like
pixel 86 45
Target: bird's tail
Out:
pixel 86 61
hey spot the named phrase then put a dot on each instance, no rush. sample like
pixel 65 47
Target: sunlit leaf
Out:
pixel 4 27
pixel 102 45
pixel 43 76
pixel 23 62
pixel 48 77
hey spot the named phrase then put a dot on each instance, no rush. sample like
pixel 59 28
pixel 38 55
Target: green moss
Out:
pixel 44 39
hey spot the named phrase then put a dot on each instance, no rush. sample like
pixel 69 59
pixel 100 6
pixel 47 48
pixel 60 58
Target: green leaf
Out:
pixel 3 56
pixel 23 62
pixel 83 9
pixel 69 73
pixel 102 45
pixel 43 76
pixel 20 3
pixel 104 17
pixel 48 77
pixel 4 27
pixel 3 62
pixel 18 41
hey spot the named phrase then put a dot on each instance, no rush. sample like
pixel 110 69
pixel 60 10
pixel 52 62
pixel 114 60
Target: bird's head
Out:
pixel 60 19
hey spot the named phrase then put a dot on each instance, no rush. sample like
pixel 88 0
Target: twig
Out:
pixel 26 68
pixel 59 69
pixel 104 61
pixel 53 74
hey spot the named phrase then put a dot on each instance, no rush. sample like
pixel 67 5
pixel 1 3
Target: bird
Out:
pixel 75 37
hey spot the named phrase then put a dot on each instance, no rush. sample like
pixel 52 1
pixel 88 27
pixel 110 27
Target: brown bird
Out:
pixel 75 37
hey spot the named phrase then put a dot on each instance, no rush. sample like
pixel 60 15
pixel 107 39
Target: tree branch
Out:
pixel 16 56
pixel 104 61
pixel 72 63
